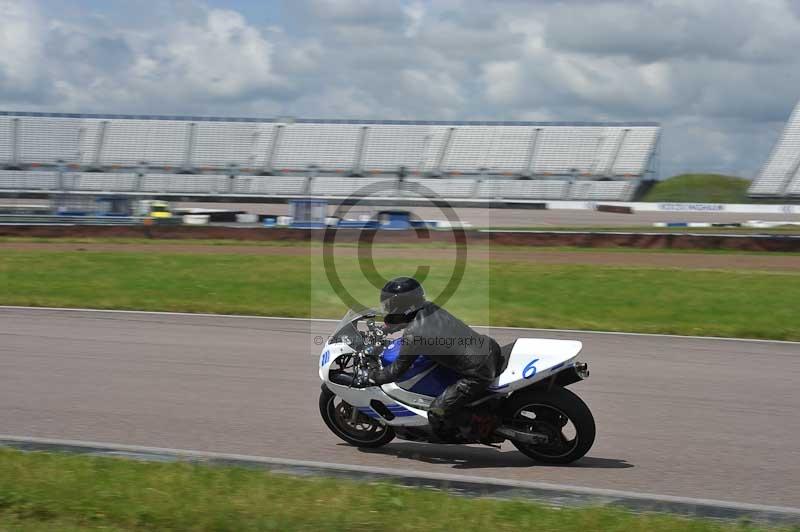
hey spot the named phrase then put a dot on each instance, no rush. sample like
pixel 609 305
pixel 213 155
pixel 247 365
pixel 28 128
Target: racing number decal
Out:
pixel 324 358
pixel 530 369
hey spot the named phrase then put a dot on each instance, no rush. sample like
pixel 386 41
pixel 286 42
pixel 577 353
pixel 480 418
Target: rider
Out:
pixel 432 331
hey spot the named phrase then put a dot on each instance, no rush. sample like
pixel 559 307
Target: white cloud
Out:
pixel 721 76
pixel 222 58
pixel 180 66
pixel 21 60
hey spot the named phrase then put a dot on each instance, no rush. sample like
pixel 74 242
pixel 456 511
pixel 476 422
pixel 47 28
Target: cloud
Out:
pixel 216 58
pixel 721 76
pixel 22 61
pixel 222 58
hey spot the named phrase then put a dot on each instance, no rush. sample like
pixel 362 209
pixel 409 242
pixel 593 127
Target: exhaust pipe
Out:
pixel 522 437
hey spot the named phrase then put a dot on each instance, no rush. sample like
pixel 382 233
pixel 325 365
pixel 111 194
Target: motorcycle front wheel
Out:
pixel 363 432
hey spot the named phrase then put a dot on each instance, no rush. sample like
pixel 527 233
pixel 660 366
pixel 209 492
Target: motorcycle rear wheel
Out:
pixel 365 432
pixel 551 412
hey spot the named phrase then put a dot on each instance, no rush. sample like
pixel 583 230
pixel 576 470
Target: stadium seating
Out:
pixel 282 185
pixel 602 190
pixel 515 189
pixel 247 145
pixel 347 186
pixel 290 185
pixel 196 155
pixel 391 146
pixel 330 147
pixel 24 180
pixel 443 188
pixel 781 174
pixel 101 182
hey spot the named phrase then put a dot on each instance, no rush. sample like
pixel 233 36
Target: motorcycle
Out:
pixel 527 404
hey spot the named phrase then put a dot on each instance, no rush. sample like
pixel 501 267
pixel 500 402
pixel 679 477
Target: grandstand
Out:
pixel 201 156
pixel 780 176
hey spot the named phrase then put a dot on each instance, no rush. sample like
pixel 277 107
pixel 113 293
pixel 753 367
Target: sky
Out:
pixel 721 76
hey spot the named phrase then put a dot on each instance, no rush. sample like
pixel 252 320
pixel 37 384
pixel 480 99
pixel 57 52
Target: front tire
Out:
pixel 365 432
pixel 560 414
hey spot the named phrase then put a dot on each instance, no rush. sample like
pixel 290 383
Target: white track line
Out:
pixel 497 327
pixel 441 477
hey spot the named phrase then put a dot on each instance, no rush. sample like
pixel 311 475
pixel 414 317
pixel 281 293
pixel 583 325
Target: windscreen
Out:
pixel 347 330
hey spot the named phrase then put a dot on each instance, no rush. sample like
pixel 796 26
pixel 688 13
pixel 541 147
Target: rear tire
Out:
pixel 366 432
pixel 550 411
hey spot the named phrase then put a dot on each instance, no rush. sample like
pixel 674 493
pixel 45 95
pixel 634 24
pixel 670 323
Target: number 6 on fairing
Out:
pixel 530 369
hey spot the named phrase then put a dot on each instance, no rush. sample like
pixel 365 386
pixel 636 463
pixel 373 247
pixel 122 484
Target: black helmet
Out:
pixel 401 297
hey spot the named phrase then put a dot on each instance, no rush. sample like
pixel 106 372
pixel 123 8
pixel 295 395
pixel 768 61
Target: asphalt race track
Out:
pixel 689 417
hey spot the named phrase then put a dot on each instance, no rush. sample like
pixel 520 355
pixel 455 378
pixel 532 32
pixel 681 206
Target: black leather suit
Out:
pixel 448 341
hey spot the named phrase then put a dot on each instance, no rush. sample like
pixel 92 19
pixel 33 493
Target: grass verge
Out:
pixel 479 245
pixel 748 304
pixel 42 491
pixel 701 188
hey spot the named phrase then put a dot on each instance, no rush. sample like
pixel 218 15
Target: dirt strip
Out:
pixel 648 240
pixel 728 261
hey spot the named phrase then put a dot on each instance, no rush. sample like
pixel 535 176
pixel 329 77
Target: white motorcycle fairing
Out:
pixel 534 359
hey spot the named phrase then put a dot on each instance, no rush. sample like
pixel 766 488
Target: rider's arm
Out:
pixel 391 372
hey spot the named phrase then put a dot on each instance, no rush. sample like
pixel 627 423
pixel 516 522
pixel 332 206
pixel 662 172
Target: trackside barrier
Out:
pixel 46 219
pixel 744 208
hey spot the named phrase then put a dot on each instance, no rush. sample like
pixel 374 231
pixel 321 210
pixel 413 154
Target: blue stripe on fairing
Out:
pixel 435 382
pixel 498 387
pixel 557 366
pixel 368 411
pixel 400 410
pixel 420 365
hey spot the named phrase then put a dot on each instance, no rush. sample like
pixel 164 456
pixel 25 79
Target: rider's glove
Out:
pixel 361 378
pixel 391 328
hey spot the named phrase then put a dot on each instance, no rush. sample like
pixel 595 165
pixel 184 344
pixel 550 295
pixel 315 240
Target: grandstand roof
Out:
pixel 281 120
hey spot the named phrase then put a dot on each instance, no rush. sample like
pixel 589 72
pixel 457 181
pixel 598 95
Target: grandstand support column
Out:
pixel 530 158
pixel 60 184
pixel 653 162
pixel 399 184
pixel 312 171
pixel 188 149
pixel 273 150
pixel 617 150
pixel 14 162
pixel 359 156
pixel 448 137
pixel 570 189
pixel 97 162
pixel 791 175
pixel 140 173
pixel 233 170
pixel 483 175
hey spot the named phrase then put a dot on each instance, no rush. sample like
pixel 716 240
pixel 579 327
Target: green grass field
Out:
pixel 41 491
pixel 750 304
pixel 701 188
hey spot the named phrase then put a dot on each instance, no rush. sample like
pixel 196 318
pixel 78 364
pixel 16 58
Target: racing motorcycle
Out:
pixel 527 404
